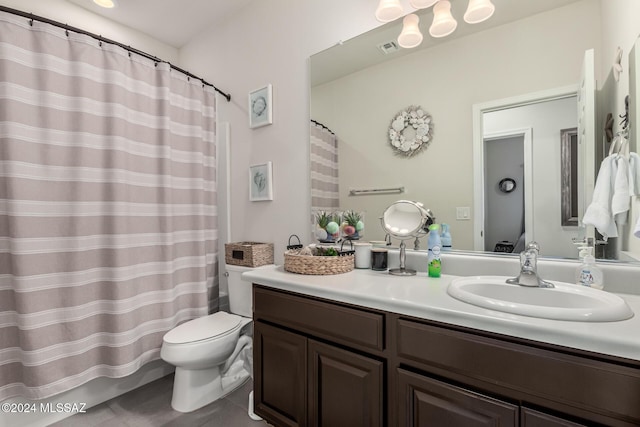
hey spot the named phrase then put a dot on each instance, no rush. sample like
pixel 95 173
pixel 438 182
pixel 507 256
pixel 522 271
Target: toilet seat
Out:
pixel 203 328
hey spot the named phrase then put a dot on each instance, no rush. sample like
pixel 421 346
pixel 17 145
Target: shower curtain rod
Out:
pixel 66 27
pixel 322 126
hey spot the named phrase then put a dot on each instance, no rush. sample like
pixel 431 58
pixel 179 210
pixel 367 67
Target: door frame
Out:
pixel 479 157
pixel 527 136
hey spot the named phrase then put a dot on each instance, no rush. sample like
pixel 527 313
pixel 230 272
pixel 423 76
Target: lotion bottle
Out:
pixel 588 273
pixel 445 237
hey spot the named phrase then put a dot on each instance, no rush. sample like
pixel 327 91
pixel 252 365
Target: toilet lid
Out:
pixel 203 328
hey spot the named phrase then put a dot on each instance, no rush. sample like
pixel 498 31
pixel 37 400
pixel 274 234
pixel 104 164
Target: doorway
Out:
pixel 504 217
pixel 539 118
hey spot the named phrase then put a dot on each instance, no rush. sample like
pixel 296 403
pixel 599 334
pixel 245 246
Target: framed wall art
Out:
pixel 260 111
pixel 261 182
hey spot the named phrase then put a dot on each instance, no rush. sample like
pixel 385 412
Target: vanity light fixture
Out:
pixel 478 11
pixel 443 22
pixel 388 10
pixel 108 4
pixel 410 35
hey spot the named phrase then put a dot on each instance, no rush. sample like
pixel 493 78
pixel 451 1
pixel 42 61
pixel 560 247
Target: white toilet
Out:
pixel 202 348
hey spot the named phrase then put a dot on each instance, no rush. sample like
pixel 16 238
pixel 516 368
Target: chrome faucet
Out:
pixel 529 269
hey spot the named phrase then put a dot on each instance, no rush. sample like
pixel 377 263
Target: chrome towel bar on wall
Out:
pixel 392 190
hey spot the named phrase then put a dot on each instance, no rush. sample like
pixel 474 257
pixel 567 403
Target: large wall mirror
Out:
pixel 525 63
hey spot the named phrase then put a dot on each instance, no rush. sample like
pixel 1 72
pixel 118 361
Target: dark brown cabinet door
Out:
pixel 532 418
pixel 279 375
pixel 345 388
pixel 423 401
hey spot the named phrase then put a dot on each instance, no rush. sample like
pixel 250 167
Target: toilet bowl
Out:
pixel 201 349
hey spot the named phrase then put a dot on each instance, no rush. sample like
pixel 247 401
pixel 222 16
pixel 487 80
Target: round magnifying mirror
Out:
pixel 404 219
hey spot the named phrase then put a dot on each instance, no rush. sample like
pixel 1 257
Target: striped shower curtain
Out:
pixel 324 169
pixel 107 207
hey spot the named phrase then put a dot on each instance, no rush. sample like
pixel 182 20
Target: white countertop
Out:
pixel 425 297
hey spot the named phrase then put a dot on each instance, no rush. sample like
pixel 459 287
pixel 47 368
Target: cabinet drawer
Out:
pixel 425 401
pixel 336 322
pixel 568 383
pixel 533 418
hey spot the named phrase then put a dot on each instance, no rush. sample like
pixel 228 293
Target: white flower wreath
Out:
pixel 410 131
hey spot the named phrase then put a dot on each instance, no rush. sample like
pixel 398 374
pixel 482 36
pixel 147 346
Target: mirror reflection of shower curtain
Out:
pixel 324 168
pixel 108 211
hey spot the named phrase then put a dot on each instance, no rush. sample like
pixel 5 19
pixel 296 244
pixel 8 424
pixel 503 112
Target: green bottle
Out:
pixel 435 245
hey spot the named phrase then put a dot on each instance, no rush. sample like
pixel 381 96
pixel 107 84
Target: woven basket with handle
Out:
pixel 318 265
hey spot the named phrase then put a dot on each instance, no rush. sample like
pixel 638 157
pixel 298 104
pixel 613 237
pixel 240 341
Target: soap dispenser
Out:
pixel 445 237
pixel 588 273
pixel 584 251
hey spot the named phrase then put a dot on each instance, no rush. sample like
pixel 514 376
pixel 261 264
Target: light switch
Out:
pixel 463 213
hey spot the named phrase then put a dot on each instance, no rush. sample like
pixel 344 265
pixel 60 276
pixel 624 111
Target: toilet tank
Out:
pixel 240 295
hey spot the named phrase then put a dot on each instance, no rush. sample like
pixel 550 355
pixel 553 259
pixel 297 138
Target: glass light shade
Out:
pixel 388 10
pixel 422 4
pixel 443 23
pixel 410 35
pixel 478 11
pixel 109 4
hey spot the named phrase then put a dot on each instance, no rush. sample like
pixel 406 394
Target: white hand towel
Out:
pixel 634 174
pixel 599 213
pixel 621 199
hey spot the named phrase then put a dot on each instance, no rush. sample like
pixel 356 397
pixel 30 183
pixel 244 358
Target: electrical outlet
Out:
pixel 463 213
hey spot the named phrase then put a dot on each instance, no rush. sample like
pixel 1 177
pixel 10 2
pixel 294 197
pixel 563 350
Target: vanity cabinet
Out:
pixel 324 363
pixel 316 363
pixel 551 385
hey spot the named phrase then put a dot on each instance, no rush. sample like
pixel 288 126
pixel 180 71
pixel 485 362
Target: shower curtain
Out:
pixel 324 169
pixel 108 223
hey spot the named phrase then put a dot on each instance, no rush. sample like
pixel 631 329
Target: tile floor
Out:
pixel 150 406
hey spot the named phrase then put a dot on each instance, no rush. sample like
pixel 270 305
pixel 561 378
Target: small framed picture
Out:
pixel 261 182
pixel 260 107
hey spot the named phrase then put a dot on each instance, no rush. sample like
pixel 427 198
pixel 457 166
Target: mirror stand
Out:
pixel 402 271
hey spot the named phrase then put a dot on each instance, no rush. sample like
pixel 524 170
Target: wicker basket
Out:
pixel 248 254
pixel 318 265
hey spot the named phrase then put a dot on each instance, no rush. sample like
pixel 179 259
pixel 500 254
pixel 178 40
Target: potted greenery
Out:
pixel 327 229
pixel 352 225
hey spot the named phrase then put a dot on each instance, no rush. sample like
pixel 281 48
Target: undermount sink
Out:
pixel 562 302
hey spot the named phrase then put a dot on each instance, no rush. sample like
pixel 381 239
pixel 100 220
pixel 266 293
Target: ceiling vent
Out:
pixel 389 47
